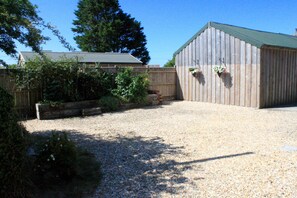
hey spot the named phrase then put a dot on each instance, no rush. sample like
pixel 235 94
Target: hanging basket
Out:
pixel 195 71
pixel 219 69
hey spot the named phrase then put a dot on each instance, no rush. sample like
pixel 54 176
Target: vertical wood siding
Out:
pixel 238 86
pixel 278 76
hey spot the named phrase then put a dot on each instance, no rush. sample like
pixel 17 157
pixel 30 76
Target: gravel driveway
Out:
pixel 189 149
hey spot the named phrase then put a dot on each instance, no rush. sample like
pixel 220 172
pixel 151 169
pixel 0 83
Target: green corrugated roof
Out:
pixel 254 37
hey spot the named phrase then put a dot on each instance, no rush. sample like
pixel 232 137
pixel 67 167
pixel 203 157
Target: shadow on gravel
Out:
pixel 133 166
pixel 215 158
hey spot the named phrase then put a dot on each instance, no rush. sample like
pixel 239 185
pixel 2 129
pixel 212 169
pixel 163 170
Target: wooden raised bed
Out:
pixel 84 108
pixel 69 109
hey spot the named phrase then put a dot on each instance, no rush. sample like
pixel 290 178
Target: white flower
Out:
pixel 58 139
pixel 53 157
pixel 219 68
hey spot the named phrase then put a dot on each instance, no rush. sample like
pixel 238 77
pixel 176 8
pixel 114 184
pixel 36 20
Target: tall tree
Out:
pixel 102 26
pixel 20 22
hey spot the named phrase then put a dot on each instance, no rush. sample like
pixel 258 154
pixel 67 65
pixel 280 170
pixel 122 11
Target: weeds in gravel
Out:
pixel 59 167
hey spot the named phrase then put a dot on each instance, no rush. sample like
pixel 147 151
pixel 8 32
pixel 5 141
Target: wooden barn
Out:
pixel 259 69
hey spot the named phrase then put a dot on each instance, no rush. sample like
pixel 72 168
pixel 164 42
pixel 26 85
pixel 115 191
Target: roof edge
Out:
pixel 233 33
pixel 238 35
pixel 82 53
pixel 139 61
pixel 192 38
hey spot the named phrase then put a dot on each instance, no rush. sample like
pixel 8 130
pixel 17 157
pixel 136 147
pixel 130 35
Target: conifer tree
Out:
pixel 102 26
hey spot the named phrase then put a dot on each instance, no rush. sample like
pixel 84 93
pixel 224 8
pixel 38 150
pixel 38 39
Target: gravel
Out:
pixel 189 149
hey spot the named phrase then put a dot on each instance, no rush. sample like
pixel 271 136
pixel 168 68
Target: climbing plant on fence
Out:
pixel 68 81
pixel 64 80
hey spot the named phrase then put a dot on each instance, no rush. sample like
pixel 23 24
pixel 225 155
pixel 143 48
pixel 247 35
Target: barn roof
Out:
pixel 85 57
pixel 254 37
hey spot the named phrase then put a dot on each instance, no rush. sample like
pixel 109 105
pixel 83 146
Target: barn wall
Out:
pixel 278 76
pixel 238 86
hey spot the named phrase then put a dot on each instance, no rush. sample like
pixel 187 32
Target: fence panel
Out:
pixel 24 100
pixel 161 79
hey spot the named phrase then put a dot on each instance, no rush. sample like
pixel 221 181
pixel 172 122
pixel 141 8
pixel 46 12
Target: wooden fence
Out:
pixel 24 100
pixel 162 79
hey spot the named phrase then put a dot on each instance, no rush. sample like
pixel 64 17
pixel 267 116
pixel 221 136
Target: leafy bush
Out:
pixel 129 87
pixel 55 79
pixel 65 80
pixel 54 162
pixel 109 103
pixel 138 88
pixel 14 181
pixel 62 166
pixel 58 163
pixel 94 83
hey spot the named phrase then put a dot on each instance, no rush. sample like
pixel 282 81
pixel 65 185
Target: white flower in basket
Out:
pixel 219 69
pixel 194 71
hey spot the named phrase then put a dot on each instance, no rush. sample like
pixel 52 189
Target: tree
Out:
pixel 102 26
pixel 170 63
pixel 20 22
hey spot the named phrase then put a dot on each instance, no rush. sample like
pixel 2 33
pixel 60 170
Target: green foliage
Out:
pixel 20 22
pixel 94 83
pixel 94 25
pixel 60 165
pixel 14 181
pixel 54 161
pixel 109 103
pixel 64 81
pixel 12 66
pixel 170 63
pixel 131 88
pixel 130 37
pixel 102 26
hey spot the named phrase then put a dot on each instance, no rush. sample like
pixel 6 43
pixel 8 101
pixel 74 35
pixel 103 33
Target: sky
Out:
pixel 168 24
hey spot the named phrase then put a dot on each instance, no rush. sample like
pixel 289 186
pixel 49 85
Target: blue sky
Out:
pixel 168 24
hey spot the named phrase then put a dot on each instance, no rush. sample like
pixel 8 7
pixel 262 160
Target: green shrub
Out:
pixel 54 162
pixel 14 178
pixel 129 87
pixel 56 79
pixel 138 88
pixel 94 83
pixel 109 103
pixel 60 165
pixel 65 80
